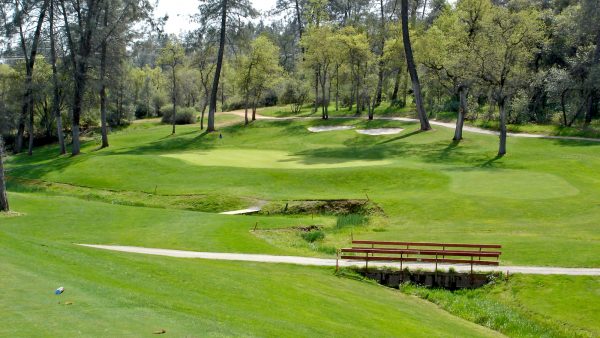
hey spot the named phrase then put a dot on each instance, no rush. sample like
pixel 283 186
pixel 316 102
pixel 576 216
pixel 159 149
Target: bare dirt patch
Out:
pixel 326 207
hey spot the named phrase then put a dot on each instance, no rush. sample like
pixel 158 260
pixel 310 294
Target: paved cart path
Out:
pixel 533 270
pixel 432 122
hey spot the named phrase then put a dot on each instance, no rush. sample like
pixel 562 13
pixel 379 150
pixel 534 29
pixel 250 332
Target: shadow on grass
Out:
pixel 492 162
pixel 171 144
pixel 401 137
pixel 576 143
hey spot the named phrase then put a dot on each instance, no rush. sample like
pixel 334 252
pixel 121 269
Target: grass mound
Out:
pixel 324 207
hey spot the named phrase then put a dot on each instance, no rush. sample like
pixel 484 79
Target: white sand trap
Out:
pixel 380 131
pixel 242 212
pixel 331 128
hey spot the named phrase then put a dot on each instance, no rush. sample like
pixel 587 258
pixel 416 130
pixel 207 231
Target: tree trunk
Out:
pixel 103 124
pixel 29 65
pixel 21 123
pixel 317 74
pixel 55 85
pixel 352 91
pixel 254 109
pixel 246 110
pixel 204 105
pixel 412 69
pixel 324 104
pixel 502 147
pixel 3 199
pixel 337 87
pixel 562 105
pixel 462 112
pixel 174 117
pixel 80 85
pixel 299 22
pixel 405 90
pixel 381 62
pixel 358 91
pixel 396 86
pixel 31 131
pixel 413 11
pixel 215 88
pixel 80 76
pixel 589 109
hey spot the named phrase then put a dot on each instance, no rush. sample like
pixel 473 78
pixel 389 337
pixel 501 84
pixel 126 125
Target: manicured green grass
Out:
pixel 526 306
pixel 115 294
pixel 540 202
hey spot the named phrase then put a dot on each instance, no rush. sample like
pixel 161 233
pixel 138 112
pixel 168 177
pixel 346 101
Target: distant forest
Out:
pixel 79 68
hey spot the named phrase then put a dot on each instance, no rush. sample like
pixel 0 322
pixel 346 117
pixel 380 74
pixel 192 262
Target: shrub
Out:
pixel 142 111
pixel 295 94
pixel 313 236
pixel 269 99
pixel 235 104
pixel 184 115
pixel 399 103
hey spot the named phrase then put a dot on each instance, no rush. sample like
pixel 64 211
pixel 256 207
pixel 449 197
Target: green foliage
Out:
pixel 313 236
pixel 258 71
pixel 185 115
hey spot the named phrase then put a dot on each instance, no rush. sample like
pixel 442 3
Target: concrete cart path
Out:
pixel 533 270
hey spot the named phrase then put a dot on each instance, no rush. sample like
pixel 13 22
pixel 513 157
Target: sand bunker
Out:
pixel 380 131
pixel 331 128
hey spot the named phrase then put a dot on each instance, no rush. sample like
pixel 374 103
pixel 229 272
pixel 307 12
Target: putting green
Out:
pixel 250 158
pixel 515 184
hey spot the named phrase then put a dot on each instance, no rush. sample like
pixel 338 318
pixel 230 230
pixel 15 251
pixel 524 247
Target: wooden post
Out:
pixel 401 259
pixel 471 266
pixel 337 257
pixel 435 275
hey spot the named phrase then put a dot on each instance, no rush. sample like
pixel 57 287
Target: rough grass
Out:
pixel 525 306
pixel 206 203
pixel 351 220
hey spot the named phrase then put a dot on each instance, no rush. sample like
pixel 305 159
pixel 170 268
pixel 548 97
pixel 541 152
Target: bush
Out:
pixel 234 104
pixel 296 93
pixel 185 115
pixel 142 111
pixel 313 236
pixel 270 99
pixel 399 103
